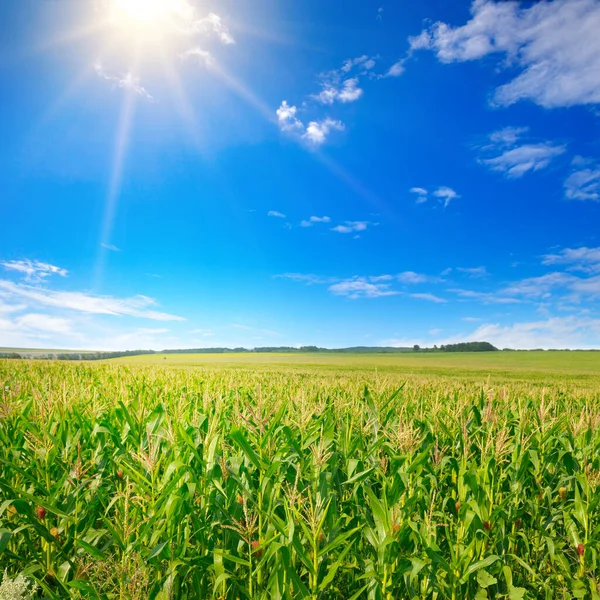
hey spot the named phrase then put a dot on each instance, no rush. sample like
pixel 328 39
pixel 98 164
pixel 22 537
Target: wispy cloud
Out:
pixel 396 69
pixel 213 22
pixel 372 286
pixel 110 247
pixel 127 81
pixel 583 183
pixel 554 46
pixel 138 306
pixel 577 259
pixel 361 288
pixel 351 227
pixel 34 270
pixel 421 193
pixel 412 278
pixel 428 297
pixel 276 214
pixel 473 271
pixel 507 153
pixel 204 57
pixel 443 193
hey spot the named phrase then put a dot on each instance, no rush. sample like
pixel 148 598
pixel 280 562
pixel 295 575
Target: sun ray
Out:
pixel 181 100
pixel 116 179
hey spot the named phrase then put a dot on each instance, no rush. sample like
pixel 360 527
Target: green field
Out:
pixel 314 476
pixel 547 361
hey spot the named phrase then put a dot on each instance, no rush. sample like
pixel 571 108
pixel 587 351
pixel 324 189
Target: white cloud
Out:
pixel 347 92
pixel 361 288
pixel 514 158
pixel 127 81
pixel 110 247
pixel 45 323
pixel 396 69
pixel 429 298
pixel 529 157
pixel 351 227
pixel 310 222
pixel 473 271
pixel 364 62
pixel 412 278
pixel 317 131
pixel 584 181
pixel 446 195
pixel 539 287
pixel 307 278
pixel 215 23
pixel 203 332
pixel 34 270
pixel 138 306
pixel 484 297
pixel 421 193
pixel 286 116
pixel 554 45
pixel 275 213
pixel 204 57
pixel 556 332
pixel 577 259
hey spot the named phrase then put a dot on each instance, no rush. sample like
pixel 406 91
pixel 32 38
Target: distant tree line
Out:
pixel 461 347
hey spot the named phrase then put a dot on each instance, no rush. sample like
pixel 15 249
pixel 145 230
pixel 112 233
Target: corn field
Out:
pixel 137 482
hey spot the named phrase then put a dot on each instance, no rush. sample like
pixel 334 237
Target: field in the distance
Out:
pixel 321 476
pixel 529 366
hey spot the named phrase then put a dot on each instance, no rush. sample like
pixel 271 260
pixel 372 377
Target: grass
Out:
pixel 303 476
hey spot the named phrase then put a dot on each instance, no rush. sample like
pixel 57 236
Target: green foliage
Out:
pixel 137 482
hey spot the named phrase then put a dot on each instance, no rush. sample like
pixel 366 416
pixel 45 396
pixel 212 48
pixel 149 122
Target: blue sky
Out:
pixel 191 174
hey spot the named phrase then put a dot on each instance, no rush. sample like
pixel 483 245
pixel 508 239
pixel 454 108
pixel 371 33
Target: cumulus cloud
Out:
pixel 314 134
pixel 554 46
pixel 276 214
pixel 34 270
pixel 317 131
pixel 310 222
pixel 446 195
pixel 286 116
pixel 348 91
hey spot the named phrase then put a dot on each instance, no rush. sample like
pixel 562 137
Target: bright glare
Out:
pixel 143 12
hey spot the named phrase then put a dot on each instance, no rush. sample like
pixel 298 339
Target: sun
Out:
pixel 144 14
